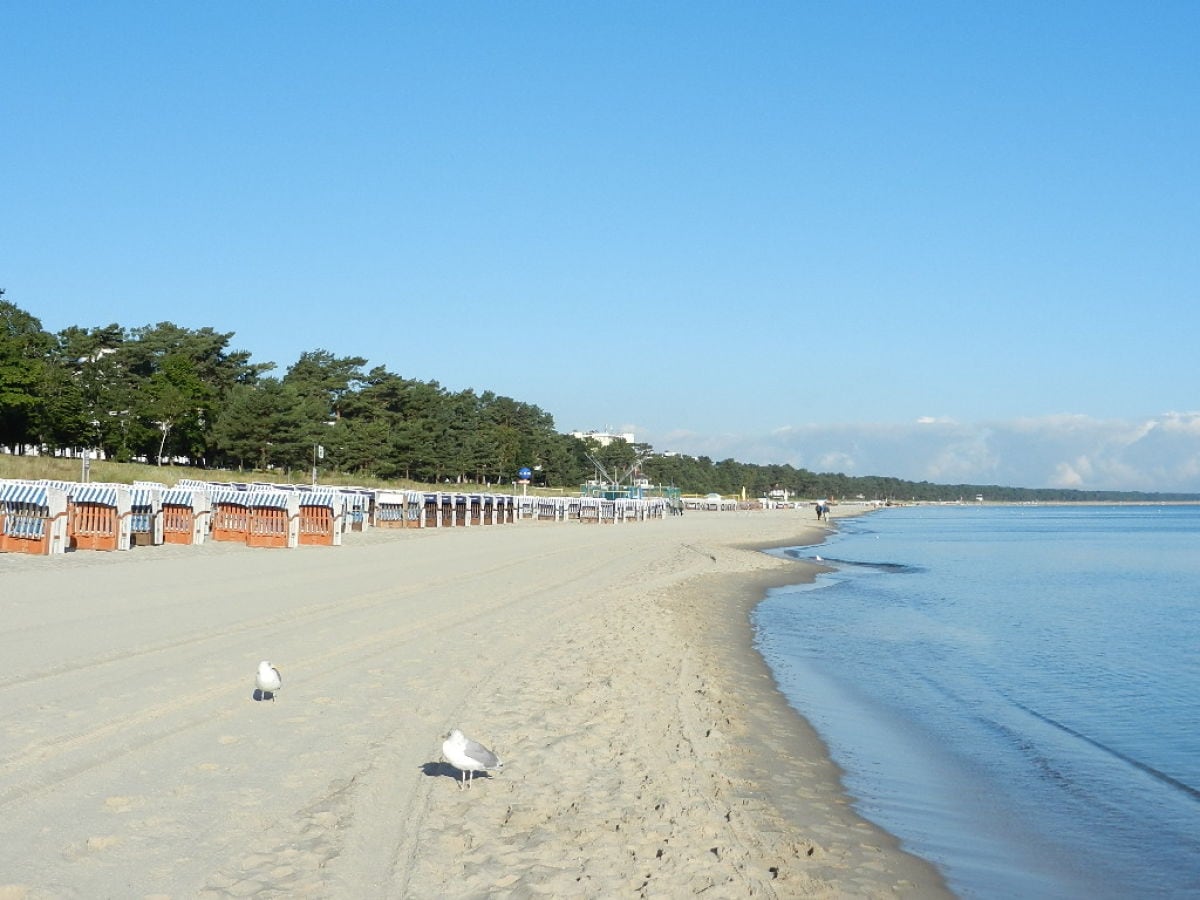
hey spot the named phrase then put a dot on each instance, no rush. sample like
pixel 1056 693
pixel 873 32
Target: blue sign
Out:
pixel 523 473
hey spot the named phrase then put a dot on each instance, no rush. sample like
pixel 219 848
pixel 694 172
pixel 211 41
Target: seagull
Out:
pixel 468 756
pixel 268 679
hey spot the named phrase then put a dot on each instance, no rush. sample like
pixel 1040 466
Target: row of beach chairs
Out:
pixel 591 510
pixel 49 517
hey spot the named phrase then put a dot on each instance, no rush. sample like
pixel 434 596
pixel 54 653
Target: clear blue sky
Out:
pixel 955 241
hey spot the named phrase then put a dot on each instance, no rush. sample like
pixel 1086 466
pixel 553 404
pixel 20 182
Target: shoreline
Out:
pixel 611 667
pixel 850 854
pixel 738 822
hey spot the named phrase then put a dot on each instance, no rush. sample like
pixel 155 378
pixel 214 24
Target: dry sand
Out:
pixel 647 752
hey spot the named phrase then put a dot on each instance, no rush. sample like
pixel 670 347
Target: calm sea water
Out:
pixel 1014 692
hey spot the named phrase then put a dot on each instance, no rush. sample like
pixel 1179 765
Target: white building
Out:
pixel 603 438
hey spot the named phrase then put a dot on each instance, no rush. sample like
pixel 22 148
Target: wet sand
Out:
pixel 646 749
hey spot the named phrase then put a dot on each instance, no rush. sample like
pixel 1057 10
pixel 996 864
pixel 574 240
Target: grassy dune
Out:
pixel 33 467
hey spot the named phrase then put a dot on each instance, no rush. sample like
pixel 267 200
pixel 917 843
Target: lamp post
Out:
pixel 86 474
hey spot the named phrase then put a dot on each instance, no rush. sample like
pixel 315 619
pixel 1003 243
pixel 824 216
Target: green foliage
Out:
pixel 23 356
pixel 163 392
pixel 261 426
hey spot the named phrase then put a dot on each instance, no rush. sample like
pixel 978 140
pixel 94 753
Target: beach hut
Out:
pixel 444 510
pixel 494 509
pixel 321 516
pixel 387 509
pixel 450 515
pixel 33 518
pixel 98 517
pixel 547 509
pixel 358 509
pixel 431 510
pixel 186 512
pixel 630 510
pixel 145 514
pixel 230 514
pixel 416 509
pixel 588 510
pixel 608 511
pixel 257 518
pixel 402 509
pixel 274 519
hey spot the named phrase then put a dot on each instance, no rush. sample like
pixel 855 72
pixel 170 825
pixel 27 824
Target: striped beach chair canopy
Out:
pixel 218 485
pixel 179 496
pixel 328 498
pixel 356 498
pixel 269 499
pixel 145 496
pixel 228 496
pixel 61 485
pixel 102 494
pixel 23 492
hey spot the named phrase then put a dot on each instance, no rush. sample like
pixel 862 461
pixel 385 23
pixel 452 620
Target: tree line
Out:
pixel 164 393
pixel 167 393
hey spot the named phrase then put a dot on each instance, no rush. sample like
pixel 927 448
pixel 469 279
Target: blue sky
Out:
pixel 945 241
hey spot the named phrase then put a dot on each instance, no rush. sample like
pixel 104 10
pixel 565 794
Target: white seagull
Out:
pixel 267 679
pixel 468 756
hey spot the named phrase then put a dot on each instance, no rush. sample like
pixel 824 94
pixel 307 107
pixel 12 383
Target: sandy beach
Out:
pixel 646 751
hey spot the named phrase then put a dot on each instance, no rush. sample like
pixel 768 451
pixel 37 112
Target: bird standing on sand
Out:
pixel 468 757
pixel 267 679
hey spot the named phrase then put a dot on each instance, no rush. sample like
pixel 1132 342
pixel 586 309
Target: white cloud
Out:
pixel 962 460
pixel 835 462
pixel 1068 475
pixel 1158 453
pixel 1186 423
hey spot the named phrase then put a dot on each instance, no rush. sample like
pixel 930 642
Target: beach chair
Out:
pixel 98 517
pixel 33 518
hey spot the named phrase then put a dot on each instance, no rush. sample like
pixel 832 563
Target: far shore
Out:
pixel 647 751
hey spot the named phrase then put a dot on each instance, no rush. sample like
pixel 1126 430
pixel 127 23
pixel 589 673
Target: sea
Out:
pixel 1011 691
